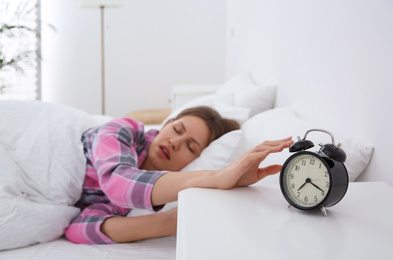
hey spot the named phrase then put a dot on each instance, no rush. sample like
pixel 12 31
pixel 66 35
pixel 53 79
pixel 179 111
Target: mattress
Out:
pixel 157 248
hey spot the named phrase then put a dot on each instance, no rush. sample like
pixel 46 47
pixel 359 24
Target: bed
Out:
pixel 36 199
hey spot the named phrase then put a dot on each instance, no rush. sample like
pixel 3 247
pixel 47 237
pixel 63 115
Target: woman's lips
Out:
pixel 164 152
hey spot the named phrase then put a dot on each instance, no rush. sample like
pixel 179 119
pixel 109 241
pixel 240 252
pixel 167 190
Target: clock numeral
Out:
pixel 297 167
pixel 292 186
pixel 306 199
pixel 327 184
pixel 303 162
pixel 326 174
pixel 312 161
pixel 315 198
pixel 298 194
pixel 291 176
pixel 320 165
pixel 323 193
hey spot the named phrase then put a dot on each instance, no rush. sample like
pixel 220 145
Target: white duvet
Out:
pixel 42 169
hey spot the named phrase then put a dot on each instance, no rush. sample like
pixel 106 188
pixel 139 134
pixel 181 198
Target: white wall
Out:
pixel 253 39
pixel 332 61
pixel 150 46
pixel 70 55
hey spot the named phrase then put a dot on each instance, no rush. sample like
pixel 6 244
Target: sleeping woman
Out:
pixel 128 168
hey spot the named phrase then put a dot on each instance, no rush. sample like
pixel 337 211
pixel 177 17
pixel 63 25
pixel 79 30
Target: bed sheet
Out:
pixel 60 249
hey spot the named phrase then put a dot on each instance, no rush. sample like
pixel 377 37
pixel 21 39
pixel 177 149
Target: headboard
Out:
pixel 332 62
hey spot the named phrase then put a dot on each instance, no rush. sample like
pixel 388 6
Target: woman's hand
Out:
pixel 245 170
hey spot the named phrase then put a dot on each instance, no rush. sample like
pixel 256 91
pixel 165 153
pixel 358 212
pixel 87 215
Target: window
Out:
pixel 19 49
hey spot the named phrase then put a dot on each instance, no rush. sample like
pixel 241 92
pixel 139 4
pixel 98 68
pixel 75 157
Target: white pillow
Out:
pixel 239 98
pixel 220 152
pixel 241 91
pixel 284 122
pixel 240 114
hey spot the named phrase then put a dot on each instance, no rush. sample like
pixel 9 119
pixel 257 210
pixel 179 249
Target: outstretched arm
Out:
pixel 242 172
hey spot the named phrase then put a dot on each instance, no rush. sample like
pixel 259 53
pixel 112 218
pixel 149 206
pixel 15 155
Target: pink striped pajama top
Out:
pixel 114 184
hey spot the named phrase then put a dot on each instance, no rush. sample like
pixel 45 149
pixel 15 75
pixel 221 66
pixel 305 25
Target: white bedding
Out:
pixel 42 170
pixel 41 176
pixel 33 213
pixel 61 249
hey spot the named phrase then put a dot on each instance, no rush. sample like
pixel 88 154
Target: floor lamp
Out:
pixel 102 4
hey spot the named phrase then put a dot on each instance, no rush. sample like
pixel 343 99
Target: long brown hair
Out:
pixel 217 124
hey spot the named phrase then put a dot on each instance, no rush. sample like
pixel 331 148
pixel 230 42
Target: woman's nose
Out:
pixel 175 142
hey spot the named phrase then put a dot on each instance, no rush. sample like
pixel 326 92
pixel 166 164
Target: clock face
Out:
pixel 305 180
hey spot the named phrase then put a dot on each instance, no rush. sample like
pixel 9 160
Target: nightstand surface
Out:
pixel 255 223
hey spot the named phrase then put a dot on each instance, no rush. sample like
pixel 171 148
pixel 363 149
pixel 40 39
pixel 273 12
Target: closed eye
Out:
pixel 190 148
pixel 192 145
pixel 176 129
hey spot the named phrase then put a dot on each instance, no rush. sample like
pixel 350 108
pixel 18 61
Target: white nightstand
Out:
pixel 182 94
pixel 255 223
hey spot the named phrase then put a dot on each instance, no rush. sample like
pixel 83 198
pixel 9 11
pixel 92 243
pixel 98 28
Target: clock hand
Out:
pixel 316 186
pixel 302 186
pixel 308 180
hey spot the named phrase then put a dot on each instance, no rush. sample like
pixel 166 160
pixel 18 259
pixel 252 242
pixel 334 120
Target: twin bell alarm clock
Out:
pixel 314 180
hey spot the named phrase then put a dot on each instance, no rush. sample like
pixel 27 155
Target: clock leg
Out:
pixel 324 211
pixel 289 205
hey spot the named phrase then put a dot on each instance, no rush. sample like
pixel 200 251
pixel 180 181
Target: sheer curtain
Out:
pixel 19 49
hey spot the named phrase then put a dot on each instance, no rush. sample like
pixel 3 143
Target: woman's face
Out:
pixel 178 143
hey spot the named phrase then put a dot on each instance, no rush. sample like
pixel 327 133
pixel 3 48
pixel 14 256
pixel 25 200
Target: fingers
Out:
pixel 276 142
pixel 274 146
pixel 257 157
pixel 269 170
pixel 247 166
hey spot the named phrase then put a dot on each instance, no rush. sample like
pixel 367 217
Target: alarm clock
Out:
pixel 314 180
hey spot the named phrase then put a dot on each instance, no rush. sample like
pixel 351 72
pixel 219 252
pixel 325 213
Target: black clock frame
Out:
pixel 338 179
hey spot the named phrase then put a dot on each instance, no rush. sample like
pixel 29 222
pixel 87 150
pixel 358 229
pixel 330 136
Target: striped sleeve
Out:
pixel 114 155
pixel 86 228
pixel 115 152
